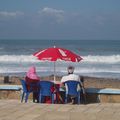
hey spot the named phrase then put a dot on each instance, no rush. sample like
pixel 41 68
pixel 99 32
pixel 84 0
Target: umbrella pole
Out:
pixel 54 73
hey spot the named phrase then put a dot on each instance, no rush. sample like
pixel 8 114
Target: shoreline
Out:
pixel 44 74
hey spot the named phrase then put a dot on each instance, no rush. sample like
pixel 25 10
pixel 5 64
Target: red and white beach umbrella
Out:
pixel 56 53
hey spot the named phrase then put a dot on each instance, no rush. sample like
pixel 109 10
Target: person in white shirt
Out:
pixel 71 76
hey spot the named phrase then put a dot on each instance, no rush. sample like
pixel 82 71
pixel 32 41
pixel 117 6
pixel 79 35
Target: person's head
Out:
pixel 32 73
pixel 70 69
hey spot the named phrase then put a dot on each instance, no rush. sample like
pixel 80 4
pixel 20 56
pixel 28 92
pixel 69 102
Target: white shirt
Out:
pixel 73 77
pixel 70 77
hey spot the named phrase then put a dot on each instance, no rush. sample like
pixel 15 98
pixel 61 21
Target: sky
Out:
pixel 60 19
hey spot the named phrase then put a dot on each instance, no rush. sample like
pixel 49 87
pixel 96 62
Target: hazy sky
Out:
pixel 60 19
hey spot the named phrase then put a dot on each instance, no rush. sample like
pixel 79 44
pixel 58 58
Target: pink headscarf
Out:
pixel 32 73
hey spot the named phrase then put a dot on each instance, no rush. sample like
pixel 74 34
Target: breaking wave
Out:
pixel 86 59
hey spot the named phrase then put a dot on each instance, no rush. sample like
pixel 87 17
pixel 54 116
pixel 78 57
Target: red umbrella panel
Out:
pixel 55 53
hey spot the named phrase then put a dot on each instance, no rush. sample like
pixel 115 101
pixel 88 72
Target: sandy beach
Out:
pixel 32 111
pixel 89 82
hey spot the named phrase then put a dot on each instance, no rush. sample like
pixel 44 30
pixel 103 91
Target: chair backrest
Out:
pixel 71 87
pixel 45 88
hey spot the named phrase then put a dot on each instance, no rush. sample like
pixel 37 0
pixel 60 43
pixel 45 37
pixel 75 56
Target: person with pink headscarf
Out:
pixel 32 77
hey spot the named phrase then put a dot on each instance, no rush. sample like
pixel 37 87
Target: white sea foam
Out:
pixel 17 58
pixel 102 59
pixel 86 59
pixel 96 70
pixel 104 65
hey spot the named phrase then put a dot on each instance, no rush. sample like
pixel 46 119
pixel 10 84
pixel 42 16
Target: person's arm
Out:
pixel 61 84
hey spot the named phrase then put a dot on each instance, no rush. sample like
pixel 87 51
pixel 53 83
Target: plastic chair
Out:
pixel 45 90
pixel 26 92
pixel 71 89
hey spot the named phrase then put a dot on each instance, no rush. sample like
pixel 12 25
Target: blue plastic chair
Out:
pixel 71 89
pixel 26 92
pixel 45 90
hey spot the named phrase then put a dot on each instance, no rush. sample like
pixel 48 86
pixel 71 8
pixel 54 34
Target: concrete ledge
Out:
pixel 103 91
pixel 10 91
pixel 100 91
pixel 106 95
pixel 11 87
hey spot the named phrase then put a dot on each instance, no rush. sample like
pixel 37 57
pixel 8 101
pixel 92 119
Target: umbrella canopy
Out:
pixel 56 53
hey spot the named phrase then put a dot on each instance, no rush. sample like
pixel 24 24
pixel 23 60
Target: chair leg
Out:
pixel 40 98
pixel 52 98
pixel 22 97
pixel 66 97
pixel 79 99
pixel 35 96
pixel 26 97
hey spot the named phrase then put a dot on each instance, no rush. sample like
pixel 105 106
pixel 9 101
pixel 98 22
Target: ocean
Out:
pixel 101 58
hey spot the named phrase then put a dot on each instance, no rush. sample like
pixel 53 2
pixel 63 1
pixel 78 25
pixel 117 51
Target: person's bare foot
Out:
pixel 72 102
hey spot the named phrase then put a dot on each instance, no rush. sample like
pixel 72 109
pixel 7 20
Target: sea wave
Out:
pixel 17 58
pixel 111 59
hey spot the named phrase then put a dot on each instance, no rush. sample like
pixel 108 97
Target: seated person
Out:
pixel 71 76
pixel 32 77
